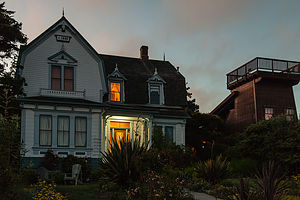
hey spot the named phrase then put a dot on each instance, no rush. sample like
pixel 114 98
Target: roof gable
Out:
pixel 156 78
pixel 62 55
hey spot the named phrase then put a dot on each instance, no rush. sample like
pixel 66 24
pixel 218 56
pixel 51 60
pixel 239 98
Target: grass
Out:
pixel 86 192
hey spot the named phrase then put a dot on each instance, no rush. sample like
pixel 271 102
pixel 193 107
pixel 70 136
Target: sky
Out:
pixel 204 38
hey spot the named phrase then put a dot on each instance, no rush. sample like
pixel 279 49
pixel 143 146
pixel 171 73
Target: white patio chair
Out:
pixel 75 174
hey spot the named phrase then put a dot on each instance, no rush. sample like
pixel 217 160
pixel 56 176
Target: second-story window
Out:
pixel 269 113
pixel 62 72
pixel 154 94
pixel 69 78
pixel 115 91
pixel 56 77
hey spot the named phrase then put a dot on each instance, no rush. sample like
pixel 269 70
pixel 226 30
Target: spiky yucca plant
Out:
pixel 122 163
pixel 270 182
pixel 213 170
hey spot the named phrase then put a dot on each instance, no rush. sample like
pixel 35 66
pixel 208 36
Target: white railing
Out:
pixel 62 93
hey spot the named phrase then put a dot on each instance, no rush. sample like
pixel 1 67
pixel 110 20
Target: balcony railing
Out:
pixel 263 64
pixel 62 93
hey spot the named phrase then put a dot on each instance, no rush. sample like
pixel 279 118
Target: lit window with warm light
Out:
pixel 115 91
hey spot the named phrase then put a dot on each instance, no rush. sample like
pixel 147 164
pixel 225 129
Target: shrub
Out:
pixel 155 186
pixel 70 160
pixel 57 177
pixel 50 161
pixel 122 163
pixel 29 176
pixel 243 167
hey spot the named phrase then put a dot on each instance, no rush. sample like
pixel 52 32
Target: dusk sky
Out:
pixel 205 38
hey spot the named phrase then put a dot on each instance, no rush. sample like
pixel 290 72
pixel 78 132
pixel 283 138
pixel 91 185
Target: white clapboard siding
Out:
pixel 96 138
pixel 37 68
pixel 29 131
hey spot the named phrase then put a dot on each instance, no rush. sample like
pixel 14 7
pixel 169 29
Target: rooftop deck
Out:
pixel 264 65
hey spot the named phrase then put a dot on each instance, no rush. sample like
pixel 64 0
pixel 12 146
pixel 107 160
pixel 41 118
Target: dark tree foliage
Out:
pixel 10 35
pixel 275 139
pixel 10 82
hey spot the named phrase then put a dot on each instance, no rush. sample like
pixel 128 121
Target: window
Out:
pixel 290 114
pixel 154 94
pixel 268 113
pixel 55 77
pixel 63 131
pixel 68 78
pixel 166 131
pixel 115 91
pixel 80 131
pixel 45 130
pixel 169 134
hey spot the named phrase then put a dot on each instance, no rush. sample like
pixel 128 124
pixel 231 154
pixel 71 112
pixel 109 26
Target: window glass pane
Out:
pixel 169 134
pixel 80 131
pixel 154 94
pixel 55 77
pixel 115 91
pixel 45 130
pixel 63 131
pixel 68 79
pixel 120 124
pixel 268 113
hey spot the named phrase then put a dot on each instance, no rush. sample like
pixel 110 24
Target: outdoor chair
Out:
pixel 74 176
pixel 43 173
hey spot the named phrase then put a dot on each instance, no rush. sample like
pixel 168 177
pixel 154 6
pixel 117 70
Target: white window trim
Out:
pixel 62 73
pixel 122 90
pixel 161 92
pixel 163 130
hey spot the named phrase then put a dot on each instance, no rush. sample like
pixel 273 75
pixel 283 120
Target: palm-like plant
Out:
pixel 213 170
pixel 270 182
pixel 122 163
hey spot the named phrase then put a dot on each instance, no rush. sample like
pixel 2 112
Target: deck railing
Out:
pixel 263 64
pixel 62 93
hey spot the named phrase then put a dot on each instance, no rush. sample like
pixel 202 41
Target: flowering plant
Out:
pixel 155 186
pixel 50 160
pixel 44 191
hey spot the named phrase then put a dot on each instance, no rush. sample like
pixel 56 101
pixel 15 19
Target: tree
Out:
pixel 10 86
pixel 276 138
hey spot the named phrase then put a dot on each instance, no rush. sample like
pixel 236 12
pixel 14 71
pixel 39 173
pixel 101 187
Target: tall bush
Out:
pixel 122 163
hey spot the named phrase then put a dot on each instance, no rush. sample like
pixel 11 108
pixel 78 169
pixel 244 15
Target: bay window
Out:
pixel 80 131
pixel 63 131
pixel 45 132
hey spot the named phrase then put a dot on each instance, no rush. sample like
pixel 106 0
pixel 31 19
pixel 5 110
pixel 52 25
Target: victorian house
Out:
pixel 78 100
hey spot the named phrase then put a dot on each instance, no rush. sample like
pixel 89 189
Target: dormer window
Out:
pixel 116 86
pixel 115 91
pixel 156 89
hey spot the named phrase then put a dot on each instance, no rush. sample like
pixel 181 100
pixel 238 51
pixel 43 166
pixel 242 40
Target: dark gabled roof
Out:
pixel 138 71
pixel 227 104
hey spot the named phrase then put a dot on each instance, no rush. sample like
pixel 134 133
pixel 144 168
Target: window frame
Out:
pixel 51 130
pixel 63 131
pixel 163 129
pixel 267 114
pixel 122 92
pixel 62 76
pixel 290 117
pixel 160 85
pixel 85 145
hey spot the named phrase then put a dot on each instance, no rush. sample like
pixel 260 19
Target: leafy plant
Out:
pixel 50 161
pixel 270 182
pixel 213 170
pixel 122 163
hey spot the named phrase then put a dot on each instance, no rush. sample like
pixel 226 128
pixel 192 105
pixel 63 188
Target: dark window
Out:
pixel 290 114
pixel 63 131
pixel 56 77
pixel 68 78
pixel 45 130
pixel 80 131
pixel 169 133
pixel 154 94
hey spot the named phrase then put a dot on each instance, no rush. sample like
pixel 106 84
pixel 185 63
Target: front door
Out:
pixel 119 131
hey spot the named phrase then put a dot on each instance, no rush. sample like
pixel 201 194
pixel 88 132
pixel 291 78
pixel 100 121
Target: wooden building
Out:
pixel 260 89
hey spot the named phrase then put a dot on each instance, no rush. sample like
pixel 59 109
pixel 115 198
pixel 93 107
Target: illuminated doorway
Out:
pixel 119 131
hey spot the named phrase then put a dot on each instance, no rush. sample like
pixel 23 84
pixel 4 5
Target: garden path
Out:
pixel 202 196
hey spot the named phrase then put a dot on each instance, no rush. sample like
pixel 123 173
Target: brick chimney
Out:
pixel 144 53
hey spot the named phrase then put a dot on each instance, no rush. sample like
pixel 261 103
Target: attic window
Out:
pixel 156 89
pixel 154 94
pixel 115 91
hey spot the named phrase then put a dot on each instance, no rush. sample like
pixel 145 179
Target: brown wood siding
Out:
pixel 244 109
